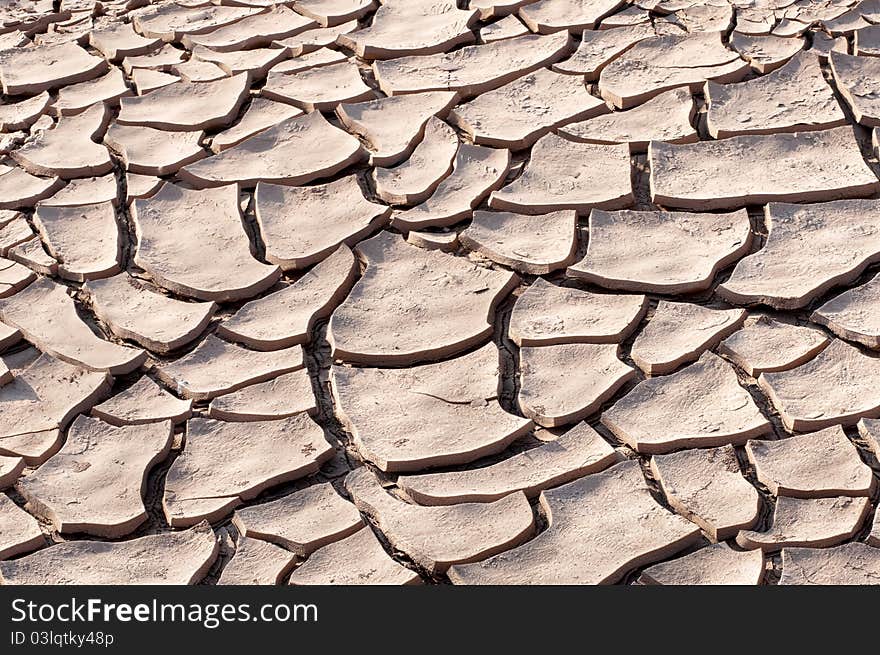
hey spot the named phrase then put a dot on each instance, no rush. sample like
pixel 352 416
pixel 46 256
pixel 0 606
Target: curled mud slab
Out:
pixel 172 558
pixel 207 256
pixel 652 417
pixel 222 464
pixel 707 487
pixel 449 412
pixel 371 326
pixel 600 526
pixel 661 252
pixel 802 166
pixel 96 482
pixel 718 564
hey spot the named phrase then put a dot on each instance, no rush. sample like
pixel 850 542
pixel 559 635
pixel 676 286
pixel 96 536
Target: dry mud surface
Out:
pixel 439 291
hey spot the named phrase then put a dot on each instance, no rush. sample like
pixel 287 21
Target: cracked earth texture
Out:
pixel 439 291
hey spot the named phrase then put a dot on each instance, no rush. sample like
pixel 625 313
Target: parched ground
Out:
pixel 432 291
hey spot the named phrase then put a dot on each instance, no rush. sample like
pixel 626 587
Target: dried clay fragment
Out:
pixel 847 564
pixel 314 40
pixel 95 484
pixel 40 401
pixel 187 106
pixel 14 232
pixel 702 405
pixel 77 98
pixel 256 563
pixel 356 560
pixel 252 31
pixel 853 315
pixel 565 383
pixel 519 113
pixel 810 249
pixel 157 322
pixel 86 191
pixel 438 537
pixel 598 48
pixel 9 336
pixel 30 70
pixel 660 63
pixel 303 521
pixel 295 151
pixel 443 241
pixel 223 464
pixel 812 465
pixel 286 317
pixel 13 277
pixel 563 174
pixel 217 367
pixel 707 487
pixel 319 89
pixel 286 395
pixel 10 470
pixel 119 40
pixel 256 63
pixel 718 564
pixel 547 314
pixel 679 333
pixel 162 59
pixel 631 15
pixel 448 412
pixel 261 114
pixel 170 22
pixel 206 256
pixel 508 27
pixel 393 126
pixel 371 326
pixel 661 252
pixel 578 452
pixel 849 21
pixel 823 45
pixel 31 254
pixel 600 527
pixel 766 53
pixel 47 317
pixel 20 115
pixel 766 345
pixel 527 244
pixel 148 151
pixel 412 27
pixel 418 177
pixel 334 12
pixel 19 531
pixel 471 70
pixel 19 189
pixel 809 522
pixel 666 117
pixel 546 16
pixel 803 166
pixel 195 70
pixel 476 172
pixel 303 225
pixel 68 149
pixel 85 239
pixel 170 558
pixel 141 186
pixel 143 402
pixel 834 387
pixel 794 98
pixel 146 80
pixel 866 41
